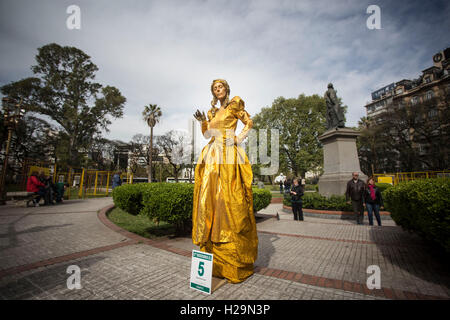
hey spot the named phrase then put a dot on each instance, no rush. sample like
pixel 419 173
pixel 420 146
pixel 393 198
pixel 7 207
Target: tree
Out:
pixel 172 145
pixel 300 122
pixel 406 137
pixel 64 90
pixel 31 140
pixel 140 153
pixel 151 114
pixel 102 153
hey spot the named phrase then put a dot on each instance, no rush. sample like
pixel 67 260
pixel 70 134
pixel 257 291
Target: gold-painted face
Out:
pixel 219 91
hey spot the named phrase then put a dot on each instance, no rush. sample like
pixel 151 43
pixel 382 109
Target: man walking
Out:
pixel 355 192
pixel 116 181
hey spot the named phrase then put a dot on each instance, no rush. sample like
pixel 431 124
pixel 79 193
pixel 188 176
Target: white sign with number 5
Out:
pixel 201 271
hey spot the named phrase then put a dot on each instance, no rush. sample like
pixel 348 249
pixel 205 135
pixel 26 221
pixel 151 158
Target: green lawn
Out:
pixel 75 190
pixel 140 225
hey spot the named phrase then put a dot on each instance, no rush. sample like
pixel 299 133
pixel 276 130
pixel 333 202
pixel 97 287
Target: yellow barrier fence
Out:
pixel 99 183
pixel 85 183
pixel 396 178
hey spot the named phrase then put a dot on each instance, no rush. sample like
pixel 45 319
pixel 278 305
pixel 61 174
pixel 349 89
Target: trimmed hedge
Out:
pixel 261 199
pixel 334 203
pixel 318 202
pixel 422 206
pixel 128 197
pixel 170 202
pixel 383 186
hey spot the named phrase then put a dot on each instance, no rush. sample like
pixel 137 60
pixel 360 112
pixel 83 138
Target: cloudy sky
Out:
pixel 168 52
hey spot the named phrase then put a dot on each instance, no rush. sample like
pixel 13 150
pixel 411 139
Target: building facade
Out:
pixel 416 111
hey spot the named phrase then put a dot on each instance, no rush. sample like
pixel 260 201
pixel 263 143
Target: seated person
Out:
pixel 59 188
pixel 49 187
pixel 36 186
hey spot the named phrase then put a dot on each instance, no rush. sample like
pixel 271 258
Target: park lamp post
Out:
pixel 13 113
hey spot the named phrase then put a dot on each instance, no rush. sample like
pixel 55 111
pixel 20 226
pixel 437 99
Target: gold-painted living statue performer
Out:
pixel 222 216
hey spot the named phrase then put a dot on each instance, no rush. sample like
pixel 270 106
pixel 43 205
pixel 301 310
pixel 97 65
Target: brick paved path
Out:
pixel 314 259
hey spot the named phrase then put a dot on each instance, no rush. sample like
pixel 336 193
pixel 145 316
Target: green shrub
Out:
pixel 422 206
pixel 383 186
pixel 310 187
pixel 319 202
pixel 128 197
pixel 261 199
pixel 169 202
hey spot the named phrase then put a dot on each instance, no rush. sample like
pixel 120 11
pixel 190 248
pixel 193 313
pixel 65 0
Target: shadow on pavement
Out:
pixel 12 234
pixel 414 255
pixel 266 249
pixel 52 280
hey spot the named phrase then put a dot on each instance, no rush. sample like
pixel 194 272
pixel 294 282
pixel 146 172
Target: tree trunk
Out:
pixel 150 156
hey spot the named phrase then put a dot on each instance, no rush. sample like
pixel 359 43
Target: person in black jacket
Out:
pixel 355 192
pixel 296 200
pixel 373 201
pixel 287 185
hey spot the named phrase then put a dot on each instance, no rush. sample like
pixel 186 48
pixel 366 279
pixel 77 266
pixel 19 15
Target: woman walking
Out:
pixel 373 201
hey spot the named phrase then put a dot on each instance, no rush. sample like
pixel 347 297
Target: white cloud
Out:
pixel 168 52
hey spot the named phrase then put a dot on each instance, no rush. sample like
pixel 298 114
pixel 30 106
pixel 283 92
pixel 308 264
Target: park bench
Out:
pixel 25 196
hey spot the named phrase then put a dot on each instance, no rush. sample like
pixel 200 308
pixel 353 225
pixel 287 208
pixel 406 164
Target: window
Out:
pixel 422 149
pixel 399 91
pixel 414 100
pixel 432 113
pixel 427 79
pixel 429 95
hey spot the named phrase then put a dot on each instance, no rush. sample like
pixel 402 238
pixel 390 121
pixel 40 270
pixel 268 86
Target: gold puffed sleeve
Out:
pixel 237 106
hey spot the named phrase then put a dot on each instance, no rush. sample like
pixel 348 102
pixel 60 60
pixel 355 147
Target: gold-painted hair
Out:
pixel 214 109
pixel 227 97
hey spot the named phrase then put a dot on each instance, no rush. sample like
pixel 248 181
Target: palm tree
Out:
pixel 151 115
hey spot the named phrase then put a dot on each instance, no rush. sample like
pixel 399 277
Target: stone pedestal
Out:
pixel 340 161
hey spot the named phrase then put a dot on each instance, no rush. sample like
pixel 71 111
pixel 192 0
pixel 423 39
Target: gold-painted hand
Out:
pixel 200 116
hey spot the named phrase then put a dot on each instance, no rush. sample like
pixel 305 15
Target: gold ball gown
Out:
pixel 222 216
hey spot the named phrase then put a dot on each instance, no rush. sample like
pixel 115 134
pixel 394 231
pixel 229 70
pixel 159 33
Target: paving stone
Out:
pixel 319 248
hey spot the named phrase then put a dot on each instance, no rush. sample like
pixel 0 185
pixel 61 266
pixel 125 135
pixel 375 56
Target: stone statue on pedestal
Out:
pixel 335 115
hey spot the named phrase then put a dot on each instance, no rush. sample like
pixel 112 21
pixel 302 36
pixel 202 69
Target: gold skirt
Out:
pixel 222 217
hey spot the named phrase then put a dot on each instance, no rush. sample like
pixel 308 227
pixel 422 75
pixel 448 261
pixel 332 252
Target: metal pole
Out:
pixel 5 164
pixel 80 192
pixel 107 183
pixel 95 185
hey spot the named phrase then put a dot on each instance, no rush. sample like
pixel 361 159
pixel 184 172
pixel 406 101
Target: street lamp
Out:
pixel 13 113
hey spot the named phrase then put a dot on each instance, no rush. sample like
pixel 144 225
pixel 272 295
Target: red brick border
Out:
pixel 276 200
pixel 319 238
pixel 341 213
pixel 65 258
pixel 344 285
pixel 338 240
pixel 283 274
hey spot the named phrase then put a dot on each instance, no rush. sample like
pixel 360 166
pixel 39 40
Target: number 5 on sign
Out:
pixel 201 271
